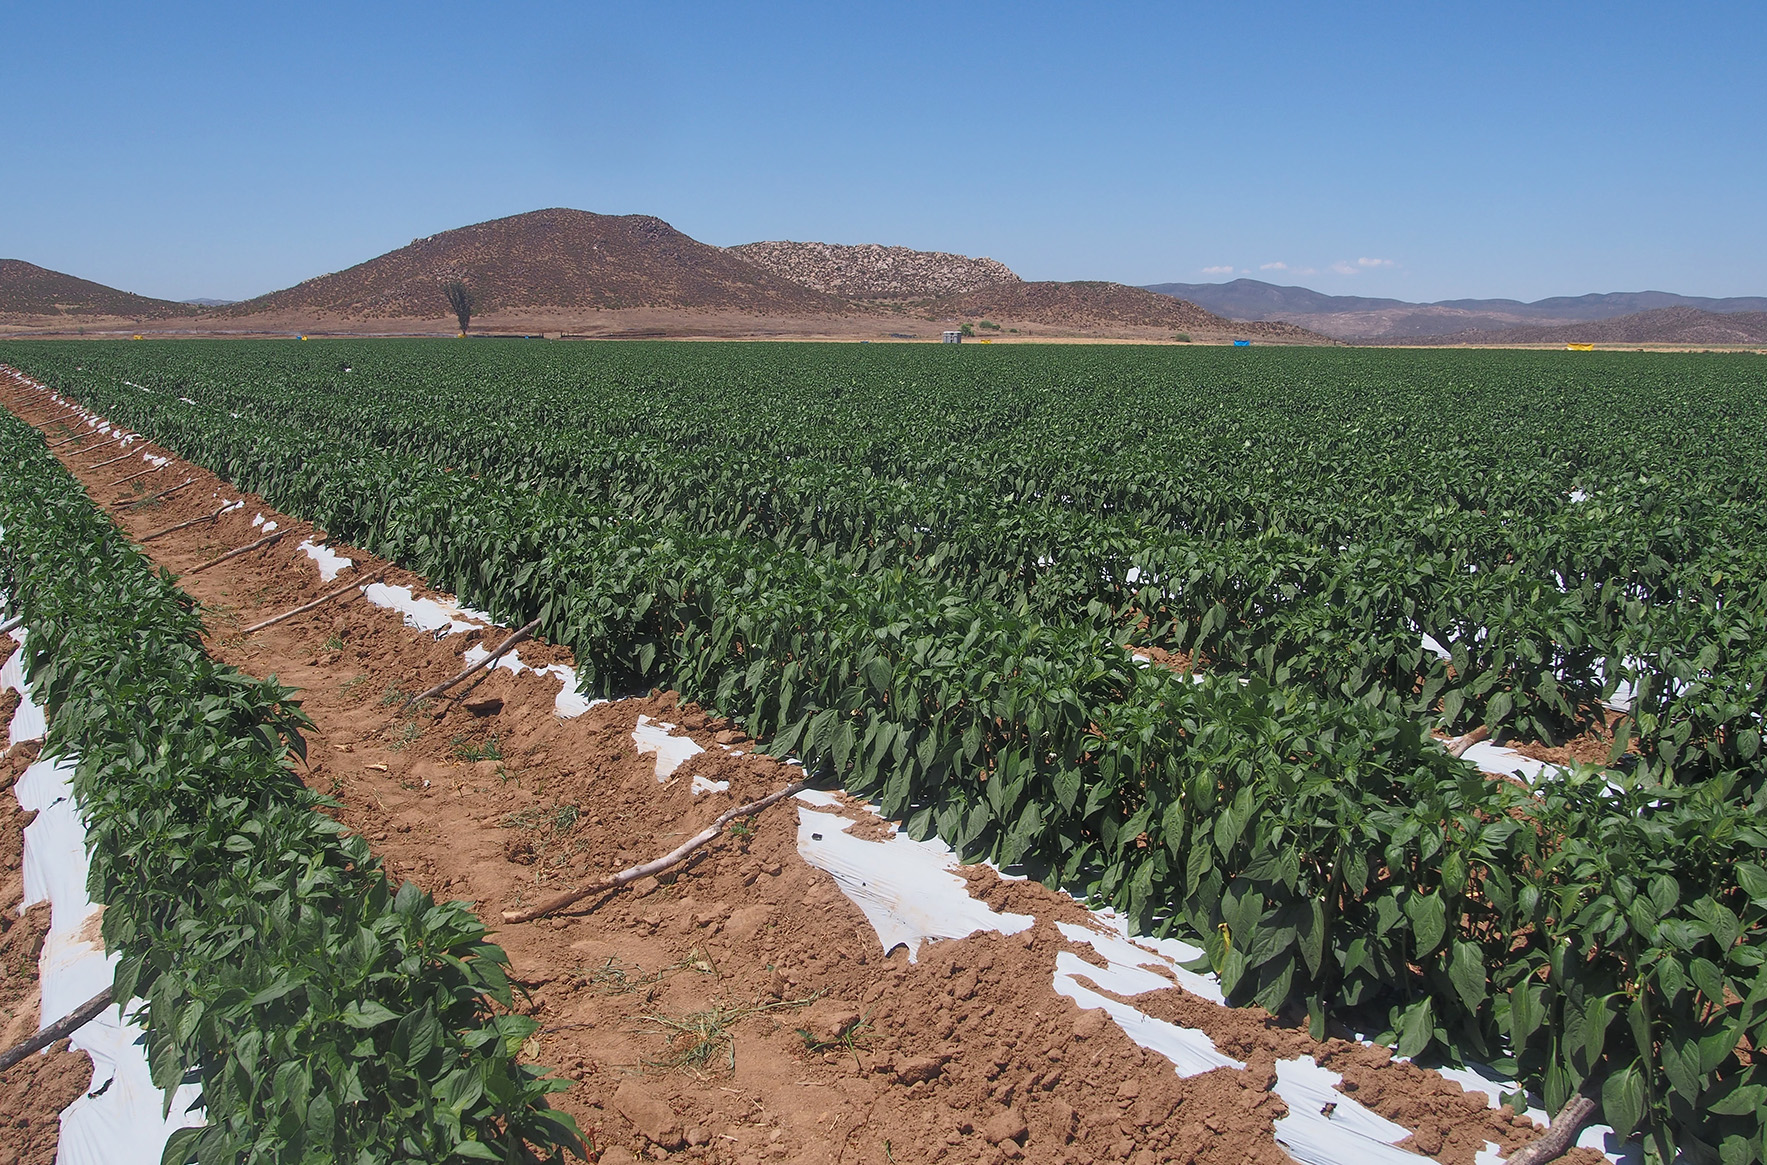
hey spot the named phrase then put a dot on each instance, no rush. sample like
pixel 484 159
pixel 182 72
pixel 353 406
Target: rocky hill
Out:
pixel 874 272
pixel 1666 325
pixel 549 259
pixel 29 290
pixel 571 271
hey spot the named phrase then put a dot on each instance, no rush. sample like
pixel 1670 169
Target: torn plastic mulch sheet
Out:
pixel 429 615
pixel 1191 1051
pixel 447 618
pixel 122 1118
pixel 905 888
pixel 568 704
pixel 329 562
pixel 1325 1127
pixel 654 736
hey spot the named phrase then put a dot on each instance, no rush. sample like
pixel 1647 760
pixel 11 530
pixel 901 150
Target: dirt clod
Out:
pixel 653 1119
pixel 1007 1126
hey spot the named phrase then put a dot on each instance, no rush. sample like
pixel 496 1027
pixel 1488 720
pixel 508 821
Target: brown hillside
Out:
pixel 1092 304
pixel 27 289
pixel 554 258
pixel 1664 325
pixel 875 272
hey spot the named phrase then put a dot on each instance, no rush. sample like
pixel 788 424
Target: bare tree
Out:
pixel 460 299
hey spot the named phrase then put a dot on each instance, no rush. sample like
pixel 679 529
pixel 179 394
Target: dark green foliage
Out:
pixel 919 574
pixel 327 1017
pixel 460 301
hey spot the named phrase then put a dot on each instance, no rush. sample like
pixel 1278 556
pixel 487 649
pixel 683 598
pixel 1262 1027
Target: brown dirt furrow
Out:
pixel 741 1010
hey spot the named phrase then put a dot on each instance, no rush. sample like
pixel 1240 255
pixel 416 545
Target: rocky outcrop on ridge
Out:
pixel 871 271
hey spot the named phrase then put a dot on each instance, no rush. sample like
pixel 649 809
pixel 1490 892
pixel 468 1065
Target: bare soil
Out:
pixel 740 1009
pixel 868 323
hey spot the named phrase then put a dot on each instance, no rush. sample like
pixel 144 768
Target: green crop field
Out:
pixel 921 570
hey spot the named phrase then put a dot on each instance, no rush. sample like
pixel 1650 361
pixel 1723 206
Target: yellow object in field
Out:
pixel 987 341
pixel 1579 347
pixel 137 337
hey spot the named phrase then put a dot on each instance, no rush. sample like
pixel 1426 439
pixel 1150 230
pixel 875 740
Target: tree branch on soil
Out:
pixel 649 869
pixel 513 639
pixel 214 517
pixel 123 456
pixel 1560 1135
pixel 320 601
pixel 133 476
pixel 60 1029
pixel 1459 747
pixel 127 504
pixel 246 549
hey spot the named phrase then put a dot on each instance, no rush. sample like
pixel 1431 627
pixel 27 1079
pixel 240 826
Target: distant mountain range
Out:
pixel 1356 317
pixel 1663 325
pixel 574 272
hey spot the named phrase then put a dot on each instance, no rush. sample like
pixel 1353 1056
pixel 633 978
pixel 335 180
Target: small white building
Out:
pixel 952 337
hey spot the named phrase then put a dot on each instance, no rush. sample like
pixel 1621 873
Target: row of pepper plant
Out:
pixel 920 572
pixel 326 1014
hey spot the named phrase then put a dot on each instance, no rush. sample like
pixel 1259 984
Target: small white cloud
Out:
pixel 1375 263
pixel 1274 267
pixel 1227 270
pixel 1345 267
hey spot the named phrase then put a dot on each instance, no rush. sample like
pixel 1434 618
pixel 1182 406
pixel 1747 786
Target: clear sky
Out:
pixel 1422 150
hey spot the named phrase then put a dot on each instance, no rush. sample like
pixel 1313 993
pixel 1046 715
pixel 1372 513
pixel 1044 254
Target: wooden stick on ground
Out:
pixel 462 693
pixel 214 517
pixel 66 412
pixel 121 456
pixel 67 440
pixel 60 1029
pixel 141 473
pixel 514 638
pixel 1560 1135
pixel 320 601
pixel 1459 747
pixel 127 504
pixel 672 858
pixel 264 541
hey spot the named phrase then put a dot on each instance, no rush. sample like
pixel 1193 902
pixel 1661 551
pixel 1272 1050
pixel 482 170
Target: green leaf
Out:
pixel 1416 1028
pixel 1429 921
pixel 1466 970
pixel 477 1151
pixel 1753 880
pixel 181 1146
pixel 1622 1099
pixel 1527 1011
pixel 1744 1101
pixel 1311 935
pixel 367 1014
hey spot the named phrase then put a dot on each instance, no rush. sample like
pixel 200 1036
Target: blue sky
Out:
pixel 1420 150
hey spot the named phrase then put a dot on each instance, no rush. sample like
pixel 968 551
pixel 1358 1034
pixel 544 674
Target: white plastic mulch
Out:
pixel 905 888
pixel 910 894
pixel 443 617
pixel 120 1119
